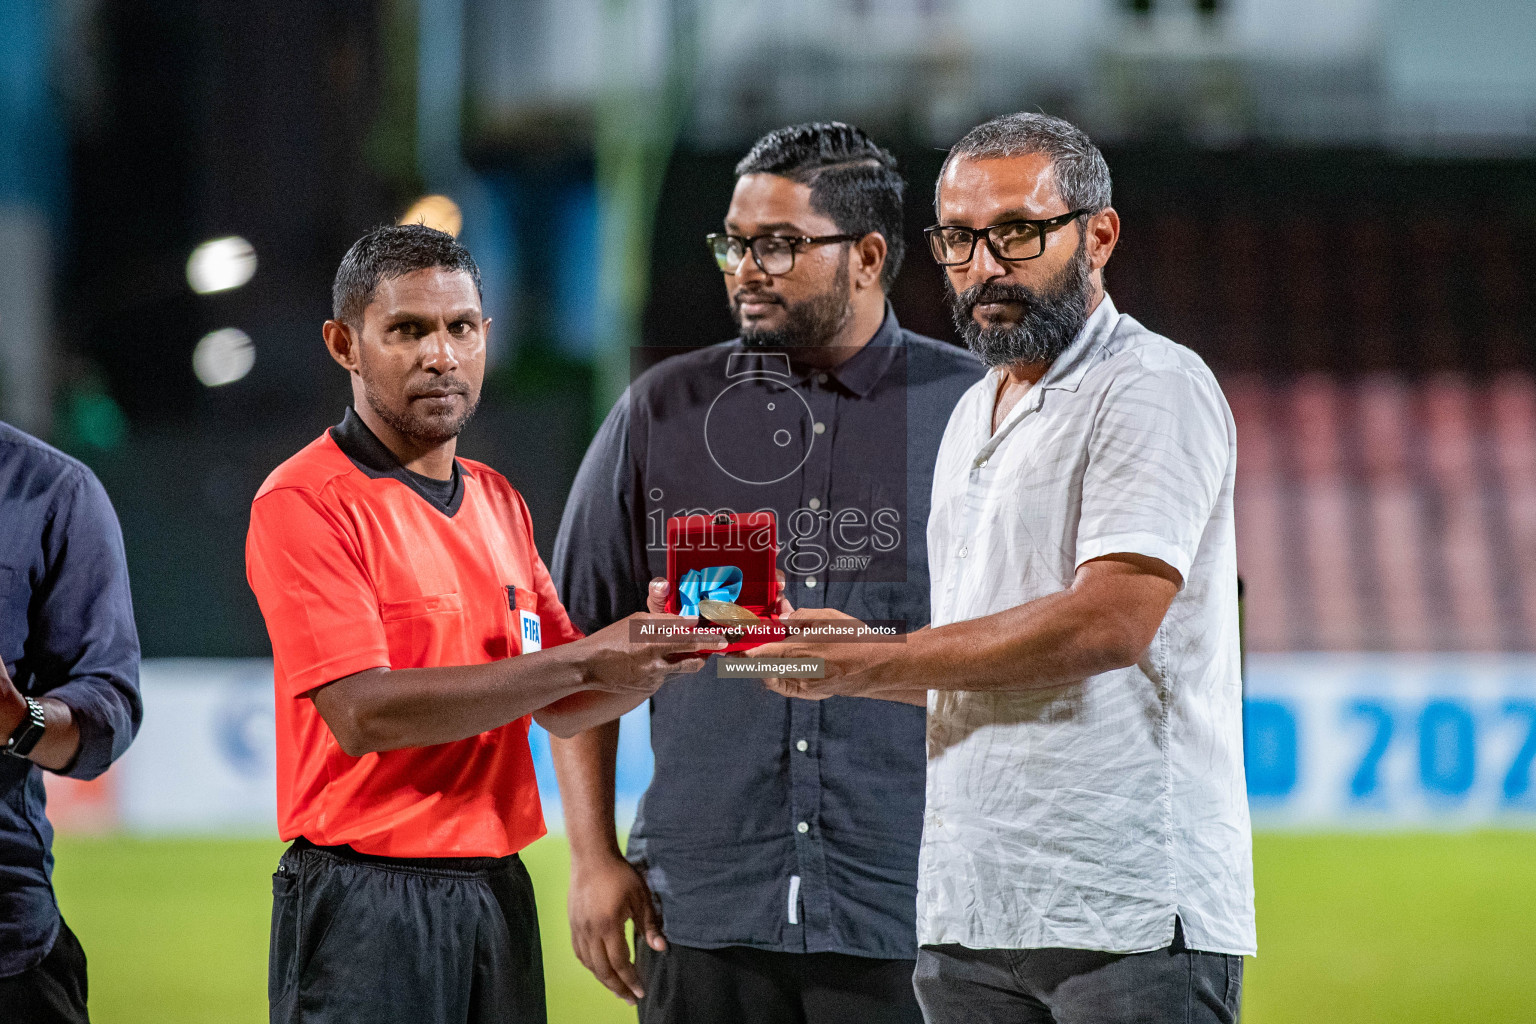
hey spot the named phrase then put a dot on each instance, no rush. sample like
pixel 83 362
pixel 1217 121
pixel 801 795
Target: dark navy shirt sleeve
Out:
pixel 66 632
pixel 599 565
pixel 83 647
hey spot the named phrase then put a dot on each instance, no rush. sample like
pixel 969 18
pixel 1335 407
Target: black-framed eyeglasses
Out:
pixel 773 254
pixel 1012 240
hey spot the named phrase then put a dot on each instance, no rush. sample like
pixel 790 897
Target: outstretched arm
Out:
pixel 567 689
pixel 1104 621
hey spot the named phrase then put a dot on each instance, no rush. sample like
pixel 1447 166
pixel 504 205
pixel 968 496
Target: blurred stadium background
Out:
pixel 1333 201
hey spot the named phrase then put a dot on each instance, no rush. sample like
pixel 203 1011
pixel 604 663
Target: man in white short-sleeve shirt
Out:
pixel 1086 851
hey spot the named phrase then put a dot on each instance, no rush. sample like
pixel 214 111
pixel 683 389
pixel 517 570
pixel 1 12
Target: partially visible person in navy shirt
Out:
pixel 69 700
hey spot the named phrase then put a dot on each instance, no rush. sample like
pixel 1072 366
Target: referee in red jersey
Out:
pixel 397 583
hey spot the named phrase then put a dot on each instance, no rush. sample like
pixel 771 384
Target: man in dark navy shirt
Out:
pixel 69 700
pixel 773 865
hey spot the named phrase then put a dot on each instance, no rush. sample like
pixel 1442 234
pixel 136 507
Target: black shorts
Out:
pixel 741 985
pixel 380 939
pixel 54 991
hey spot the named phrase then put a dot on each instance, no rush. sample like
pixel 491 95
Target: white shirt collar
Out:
pixel 1065 372
pixel 1068 369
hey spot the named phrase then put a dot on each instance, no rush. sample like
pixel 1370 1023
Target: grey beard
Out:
pixel 1053 316
pixel 809 324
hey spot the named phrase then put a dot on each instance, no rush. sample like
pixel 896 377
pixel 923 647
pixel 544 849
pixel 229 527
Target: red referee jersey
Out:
pixel 358 564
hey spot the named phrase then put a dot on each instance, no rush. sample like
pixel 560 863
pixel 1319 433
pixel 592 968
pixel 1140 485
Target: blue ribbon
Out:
pixel 717 583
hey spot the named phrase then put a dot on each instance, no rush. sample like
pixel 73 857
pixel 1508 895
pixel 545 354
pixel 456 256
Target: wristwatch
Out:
pixel 29 731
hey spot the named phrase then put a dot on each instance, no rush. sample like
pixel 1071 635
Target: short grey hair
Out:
pixel 1082 176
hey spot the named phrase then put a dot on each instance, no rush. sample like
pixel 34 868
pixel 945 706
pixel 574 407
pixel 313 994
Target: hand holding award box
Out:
pixel 729 558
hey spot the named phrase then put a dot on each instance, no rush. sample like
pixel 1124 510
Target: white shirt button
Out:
pixel 802 746
pixel 802 828
pixel 815 503
pixel 980 463
pixel 964 552
pixel 820 428
pixel 810 581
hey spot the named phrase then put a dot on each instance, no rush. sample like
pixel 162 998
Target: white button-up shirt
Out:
pixel 1089 815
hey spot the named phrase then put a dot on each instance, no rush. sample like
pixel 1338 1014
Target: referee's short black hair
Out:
pixel 393 251
pixel 854 182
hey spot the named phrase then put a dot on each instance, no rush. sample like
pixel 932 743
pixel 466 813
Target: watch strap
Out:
pixel 29 731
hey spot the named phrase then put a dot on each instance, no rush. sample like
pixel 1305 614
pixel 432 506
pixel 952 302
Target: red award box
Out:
pixel 748 541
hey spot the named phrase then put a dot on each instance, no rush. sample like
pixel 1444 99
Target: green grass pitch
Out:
pixel 1359 928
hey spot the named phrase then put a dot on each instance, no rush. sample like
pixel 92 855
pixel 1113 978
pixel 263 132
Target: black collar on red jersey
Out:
pixel 374 459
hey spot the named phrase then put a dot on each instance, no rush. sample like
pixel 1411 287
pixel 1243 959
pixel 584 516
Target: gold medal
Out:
pixel 728 614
